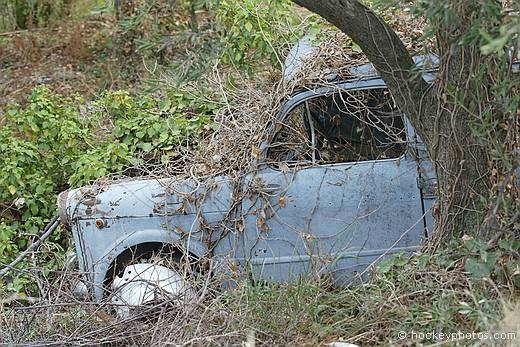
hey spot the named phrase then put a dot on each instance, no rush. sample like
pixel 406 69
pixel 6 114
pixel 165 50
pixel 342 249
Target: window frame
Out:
pixel 306 95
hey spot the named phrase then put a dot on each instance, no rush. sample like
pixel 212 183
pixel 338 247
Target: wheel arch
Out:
pixel 136 244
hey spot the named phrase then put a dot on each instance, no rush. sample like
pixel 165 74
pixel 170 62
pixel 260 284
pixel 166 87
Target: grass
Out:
pixel 424 294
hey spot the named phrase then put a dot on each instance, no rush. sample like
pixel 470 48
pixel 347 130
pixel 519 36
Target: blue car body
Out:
pixel 280 222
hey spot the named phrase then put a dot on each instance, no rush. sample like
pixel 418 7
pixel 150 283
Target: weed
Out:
pixel 57 142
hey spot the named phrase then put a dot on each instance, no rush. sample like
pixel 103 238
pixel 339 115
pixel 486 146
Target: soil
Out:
pixel 72 58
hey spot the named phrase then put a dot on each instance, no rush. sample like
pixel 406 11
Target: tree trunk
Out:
pixel 461 164
pixel 441 113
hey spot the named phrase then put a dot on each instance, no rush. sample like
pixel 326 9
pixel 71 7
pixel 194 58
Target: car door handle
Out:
pixel 267 188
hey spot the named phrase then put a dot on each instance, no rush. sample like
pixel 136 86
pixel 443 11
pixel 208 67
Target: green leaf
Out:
pixel 165 105
pixel 516 280
pixel 400 260
pixel 151 132
pixel 147 147
pixel 118 132
pixel 385 266
pixel 165 158
pixel 509 245
pixel 12 189
pixel 34 209
pixel 477 269
pixel 356 48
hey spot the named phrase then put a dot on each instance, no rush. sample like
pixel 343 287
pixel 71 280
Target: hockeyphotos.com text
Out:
pixel 456 335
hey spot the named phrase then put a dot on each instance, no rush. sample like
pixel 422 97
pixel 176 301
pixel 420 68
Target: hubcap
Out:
pixel 146 283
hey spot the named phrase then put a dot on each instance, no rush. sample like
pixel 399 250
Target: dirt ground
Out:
pixel 72 58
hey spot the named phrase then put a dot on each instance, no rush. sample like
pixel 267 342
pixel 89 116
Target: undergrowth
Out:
pixel 465 287
pixel 439 293
pixel 57 142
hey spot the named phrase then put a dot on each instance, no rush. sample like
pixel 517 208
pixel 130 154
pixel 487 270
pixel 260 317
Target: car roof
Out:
pixel 304 50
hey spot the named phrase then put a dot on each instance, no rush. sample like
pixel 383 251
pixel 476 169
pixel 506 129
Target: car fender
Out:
pixel 114 250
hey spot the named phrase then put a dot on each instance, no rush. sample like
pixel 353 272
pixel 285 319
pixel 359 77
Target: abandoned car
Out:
pixel 341 181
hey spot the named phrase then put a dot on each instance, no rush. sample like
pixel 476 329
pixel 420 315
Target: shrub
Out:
pixel 57 142
pixel 257 30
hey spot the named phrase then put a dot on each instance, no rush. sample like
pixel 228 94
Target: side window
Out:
pixel 357 126
pixel 347 126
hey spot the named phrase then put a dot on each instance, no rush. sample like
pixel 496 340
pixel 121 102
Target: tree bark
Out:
pixel 461 159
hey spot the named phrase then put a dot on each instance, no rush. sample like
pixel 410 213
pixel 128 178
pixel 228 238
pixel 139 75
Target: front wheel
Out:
pixel 150 283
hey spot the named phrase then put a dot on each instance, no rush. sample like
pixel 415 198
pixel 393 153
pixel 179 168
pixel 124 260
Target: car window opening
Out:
pixel 342 127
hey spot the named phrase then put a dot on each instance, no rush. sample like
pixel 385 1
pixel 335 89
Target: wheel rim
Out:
pixel 147 283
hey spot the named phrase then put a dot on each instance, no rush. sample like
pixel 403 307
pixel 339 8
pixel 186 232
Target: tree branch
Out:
pixel 386 52
pixel 53 224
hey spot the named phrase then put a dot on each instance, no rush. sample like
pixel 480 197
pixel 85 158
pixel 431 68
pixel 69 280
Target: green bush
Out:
pixel 22 14
pixel 256 30
pixel 56 142
pixel 200 33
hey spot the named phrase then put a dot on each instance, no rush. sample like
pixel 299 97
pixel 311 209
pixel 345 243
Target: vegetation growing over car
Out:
pixel 55 142
pixel 464 284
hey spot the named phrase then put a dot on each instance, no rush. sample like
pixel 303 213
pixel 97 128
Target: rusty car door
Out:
pixel 308 217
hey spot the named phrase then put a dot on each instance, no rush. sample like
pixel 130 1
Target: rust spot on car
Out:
pixel 100 223
pixel 158 207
